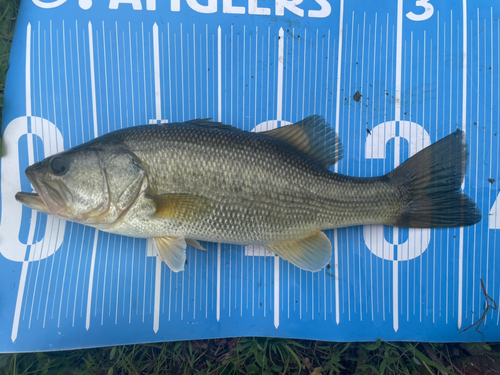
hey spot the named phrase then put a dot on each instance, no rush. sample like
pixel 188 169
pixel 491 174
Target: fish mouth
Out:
pixel 46 199
pixel 32 200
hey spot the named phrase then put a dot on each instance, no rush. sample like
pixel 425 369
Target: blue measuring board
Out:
pixel 80 69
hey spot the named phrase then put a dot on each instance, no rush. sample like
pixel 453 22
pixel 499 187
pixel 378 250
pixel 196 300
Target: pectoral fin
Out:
pixel 172 250
pixel 311 253
pixel 181 207
pixel 194 244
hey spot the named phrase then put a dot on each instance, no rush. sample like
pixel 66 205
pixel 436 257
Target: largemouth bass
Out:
pixel 181 183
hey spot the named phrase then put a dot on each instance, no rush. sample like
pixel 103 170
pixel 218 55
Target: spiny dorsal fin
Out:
pixel 314 136
pixel 311 253
pixel 172 250
pixel 181 207
pixel 207 122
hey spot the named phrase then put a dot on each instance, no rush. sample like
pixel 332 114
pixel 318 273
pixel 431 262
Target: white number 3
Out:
pixel 428 12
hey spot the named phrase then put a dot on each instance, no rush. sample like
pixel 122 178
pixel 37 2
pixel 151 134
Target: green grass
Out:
pixel 245 355
pixel 8 15
pixel 262 356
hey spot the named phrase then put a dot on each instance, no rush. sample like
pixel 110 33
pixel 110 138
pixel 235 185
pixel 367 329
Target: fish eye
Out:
pixel 59 165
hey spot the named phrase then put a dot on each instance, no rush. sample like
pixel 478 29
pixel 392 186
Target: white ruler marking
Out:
pixel 219 118
pixel 399 52
pixel 156 57
pixel 96 134
pixel 28 70
pixel 131 73
pixel 451 101
pixel 476 176
pixel 360 246
pixel 491 138
pixel 436 122
pixel 395 298
pixel 276 291
pixel 336 167
pixel 36 122
pixel 218 281
pixel 105 75
pixel 348 160
pixel 219 74
pixel 279 117
pixel 281 56
pixel 156 54
pixel 144 71
pixel 399 42
pixel 118 75
pixel 20 293
pixel 464 129
pixel 194 71
pixel 156 314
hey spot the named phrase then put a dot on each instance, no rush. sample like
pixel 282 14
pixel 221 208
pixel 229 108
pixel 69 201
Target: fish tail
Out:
pixel 430 183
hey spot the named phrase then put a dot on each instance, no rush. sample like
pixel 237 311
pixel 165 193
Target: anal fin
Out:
pixel 172 250
pixel 311 253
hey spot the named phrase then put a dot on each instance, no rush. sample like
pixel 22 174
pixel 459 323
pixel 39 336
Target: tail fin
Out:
pixel 430 185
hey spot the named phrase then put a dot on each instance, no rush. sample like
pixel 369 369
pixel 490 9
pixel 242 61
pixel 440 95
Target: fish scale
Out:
pixel 287 194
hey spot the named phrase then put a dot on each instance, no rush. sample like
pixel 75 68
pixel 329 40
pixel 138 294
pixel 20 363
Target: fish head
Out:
pixel 91 185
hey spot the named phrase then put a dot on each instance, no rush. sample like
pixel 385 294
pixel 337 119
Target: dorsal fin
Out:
pixel 313 135
pixel 207 122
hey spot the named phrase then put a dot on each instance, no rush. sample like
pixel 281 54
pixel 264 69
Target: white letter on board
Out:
pixel 254 9
pixel 196 6
pixel 325 10
pixel 375 148
pixel 227 7
pixel 136 4
pixel 291 5
pixel 175 5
